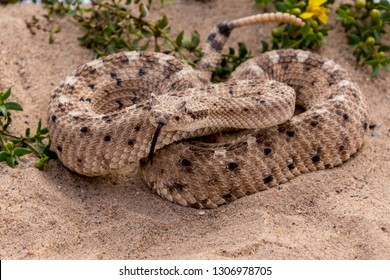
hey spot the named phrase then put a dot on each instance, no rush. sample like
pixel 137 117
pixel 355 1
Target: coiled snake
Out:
pixel 136 109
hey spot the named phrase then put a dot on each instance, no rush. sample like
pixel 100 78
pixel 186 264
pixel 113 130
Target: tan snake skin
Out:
pixel 243 134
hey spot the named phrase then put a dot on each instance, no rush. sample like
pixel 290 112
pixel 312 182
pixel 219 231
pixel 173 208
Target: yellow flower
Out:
pixel 314 10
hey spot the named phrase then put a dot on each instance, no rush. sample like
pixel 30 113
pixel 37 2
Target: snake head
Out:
pixel 167 114
pixel 173 112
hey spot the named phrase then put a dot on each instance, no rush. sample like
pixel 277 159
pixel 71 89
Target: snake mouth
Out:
pixel 154 141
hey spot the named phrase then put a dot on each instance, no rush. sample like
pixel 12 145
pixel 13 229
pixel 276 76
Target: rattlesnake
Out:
pixel 114 112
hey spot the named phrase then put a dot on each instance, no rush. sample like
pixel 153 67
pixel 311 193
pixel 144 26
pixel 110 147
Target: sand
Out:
pixel 343 213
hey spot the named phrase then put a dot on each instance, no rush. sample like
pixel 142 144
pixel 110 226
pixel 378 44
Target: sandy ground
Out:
pixel 343 213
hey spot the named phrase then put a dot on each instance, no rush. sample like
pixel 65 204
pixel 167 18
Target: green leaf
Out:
pixel 71 13
pixel 40 164
pixel 265 46
pixel 21 152
pixel 39 127
pixel 44 130
pixel 143 10
pixel 3 110
pixel 375 71
pixel 11 161
pixel 377 36
pixel 46 151
pixel 13 106
pixel 371 62
pixel 17 140
pixel 6 94
pixel 3 156
pixel 305 30
pixel 311 38
pixel 383 48
pixel 195 39
pixel 341 12
pixel 386 68
pixel 280 6
pixel 353 39
pixel 179 39
pixel 162 22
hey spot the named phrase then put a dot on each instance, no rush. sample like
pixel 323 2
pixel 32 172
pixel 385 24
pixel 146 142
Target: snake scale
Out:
pixel 199 144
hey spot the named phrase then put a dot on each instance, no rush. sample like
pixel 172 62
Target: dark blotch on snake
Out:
pixel 120 104
pixel 291 166
pixel 267 151
pixel 224 29
pixel 216 45
pixel 232 166
pixel 290 133
pixel 211 37
pixel 107 119
pixel 285 66
pixel 84 129
pixel 314 123
pixel 107 138
pixel 307 67
pixel 185 162
pixel 59 148
pixel 228 197
pixel 141 72
pixel 114 75
pixel 316 158
pixel 88 99
pixel 54 118
pixel 268 179
pixel 91 86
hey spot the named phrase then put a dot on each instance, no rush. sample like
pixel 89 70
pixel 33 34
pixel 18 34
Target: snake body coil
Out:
pixel 242 136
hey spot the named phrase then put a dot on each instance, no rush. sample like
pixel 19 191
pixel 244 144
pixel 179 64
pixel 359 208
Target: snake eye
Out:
pixel 177 118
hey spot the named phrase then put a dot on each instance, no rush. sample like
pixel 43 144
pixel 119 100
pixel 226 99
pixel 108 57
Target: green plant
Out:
pixel 5 2
pixel 12 147
pixel 263 3
pixel 230 62
pixel 364 23
pixel 311 36
pixel 111 26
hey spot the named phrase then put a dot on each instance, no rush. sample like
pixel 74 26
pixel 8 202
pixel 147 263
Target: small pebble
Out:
pixel 374 133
